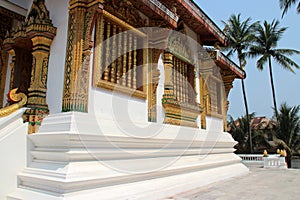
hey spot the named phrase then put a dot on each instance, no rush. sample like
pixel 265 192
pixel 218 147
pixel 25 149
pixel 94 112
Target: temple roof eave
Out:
pixel 157 10
pixel 13 7
pixel 226 63
pixel 193 16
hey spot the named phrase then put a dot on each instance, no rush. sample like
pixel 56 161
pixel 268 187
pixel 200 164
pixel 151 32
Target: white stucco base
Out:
pixel 80 156
pixel 13 147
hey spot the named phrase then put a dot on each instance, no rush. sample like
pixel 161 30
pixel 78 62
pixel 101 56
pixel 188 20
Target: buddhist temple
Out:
pixel 112 99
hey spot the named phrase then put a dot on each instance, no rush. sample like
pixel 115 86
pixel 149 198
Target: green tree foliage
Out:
pixel 239 130
pixel 288 130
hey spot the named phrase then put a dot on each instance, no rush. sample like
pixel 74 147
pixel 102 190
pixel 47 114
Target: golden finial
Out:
pixel 278 151
pixel 265 153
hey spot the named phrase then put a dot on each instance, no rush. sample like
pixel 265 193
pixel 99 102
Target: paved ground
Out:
pixel 259 184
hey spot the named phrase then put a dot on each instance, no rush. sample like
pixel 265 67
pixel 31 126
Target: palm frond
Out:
pixel 265 44
pixel 288 52
pixel 240 34
pixel 262 61
pixel 285 62
pixel 285 5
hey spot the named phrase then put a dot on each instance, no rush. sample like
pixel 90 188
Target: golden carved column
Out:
pixel 38 86
pixel 12 53
pixel 153 77
pixel 41 36
pixel 168 66
pixel 203 101
pixel 37 32
pixel 81 21
pixel 158 41
pixel 71 96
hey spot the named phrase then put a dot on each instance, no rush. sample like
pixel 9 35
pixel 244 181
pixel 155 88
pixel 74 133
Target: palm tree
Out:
pixel 239 131
pixel 240 36
pixel 288 130
pixel 265 44
pixel 286 4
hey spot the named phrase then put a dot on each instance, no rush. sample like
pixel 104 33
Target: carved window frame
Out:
pixel 185 74
pixel 213 104
pixel 98 81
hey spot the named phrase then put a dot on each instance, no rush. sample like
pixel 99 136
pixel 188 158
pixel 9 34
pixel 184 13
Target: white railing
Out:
pixel 252 160
pixel 258 160
pixel 251 157
pixel 274 161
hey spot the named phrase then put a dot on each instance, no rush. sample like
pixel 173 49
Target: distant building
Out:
pixel 266 125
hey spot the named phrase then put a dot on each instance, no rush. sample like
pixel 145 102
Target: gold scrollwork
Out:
pixel 19 99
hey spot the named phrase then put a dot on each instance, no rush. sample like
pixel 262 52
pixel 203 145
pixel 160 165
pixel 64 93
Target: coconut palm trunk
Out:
pixel 247 111
pixel 247 115
pixel 273 88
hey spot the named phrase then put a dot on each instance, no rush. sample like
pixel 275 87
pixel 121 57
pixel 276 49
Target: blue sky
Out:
pixel 258 82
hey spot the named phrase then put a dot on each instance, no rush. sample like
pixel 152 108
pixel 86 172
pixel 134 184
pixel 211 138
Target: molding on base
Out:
pixel 71 160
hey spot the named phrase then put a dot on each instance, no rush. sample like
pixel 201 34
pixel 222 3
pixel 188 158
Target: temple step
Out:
pixel 71 164
pixel 159 188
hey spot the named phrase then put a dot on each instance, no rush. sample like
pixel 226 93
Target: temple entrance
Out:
pixel 10 20
pixel 23 65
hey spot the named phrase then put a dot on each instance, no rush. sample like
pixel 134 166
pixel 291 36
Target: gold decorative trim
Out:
pixel 123 23
pixel 216 115
pixel 19 99
pixel 181 114
pixel 122 89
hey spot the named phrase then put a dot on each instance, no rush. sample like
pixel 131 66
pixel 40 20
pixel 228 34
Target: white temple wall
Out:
pixel 115 105
pixel 59 14
pixel 214 124
pixel 160 91
pixel 198 99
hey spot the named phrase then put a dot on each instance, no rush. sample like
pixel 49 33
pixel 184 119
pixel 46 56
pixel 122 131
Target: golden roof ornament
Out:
pixel 38 10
